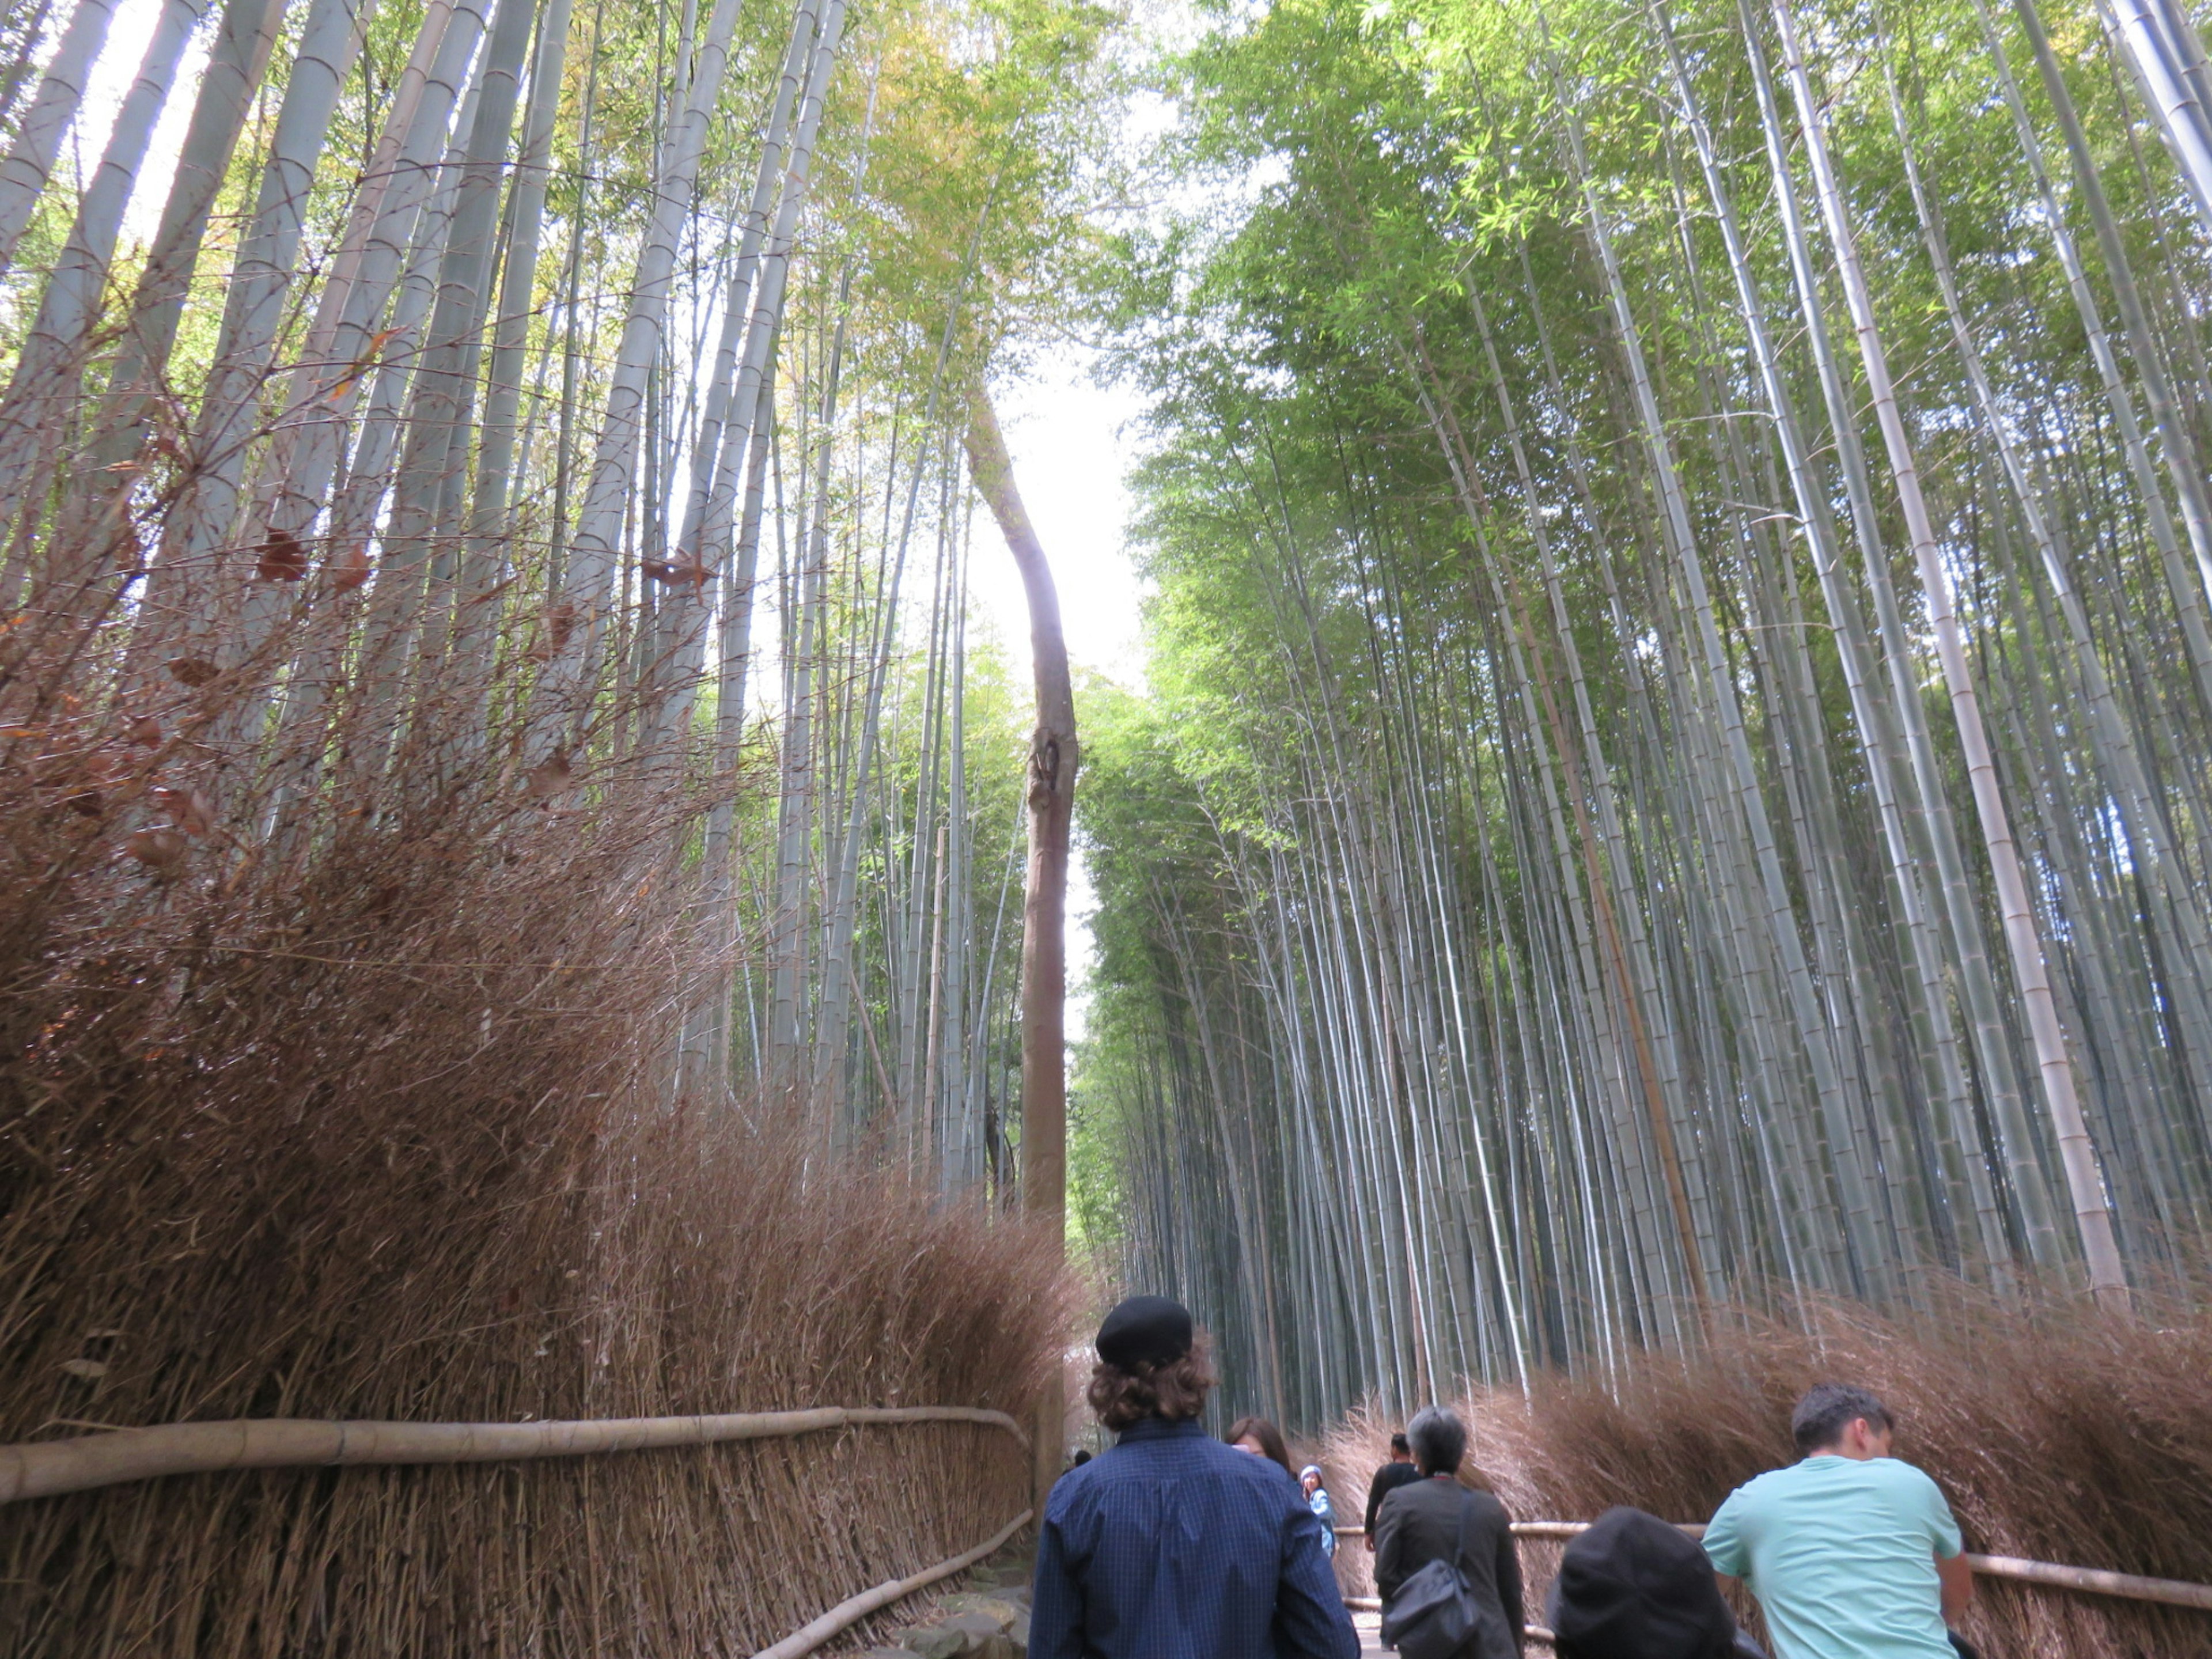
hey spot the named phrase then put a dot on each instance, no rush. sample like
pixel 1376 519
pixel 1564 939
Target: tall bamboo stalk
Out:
pixel 2093 1219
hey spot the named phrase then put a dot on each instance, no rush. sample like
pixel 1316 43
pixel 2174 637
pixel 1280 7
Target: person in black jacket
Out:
pixel 1632 1586
pixel 1421 1521
pixel 1387 1479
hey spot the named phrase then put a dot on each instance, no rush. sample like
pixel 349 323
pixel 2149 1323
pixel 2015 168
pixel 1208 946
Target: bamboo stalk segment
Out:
pixel 2170 1592
pixel 854 1608
pixel 1556 1529
pixel 45 1469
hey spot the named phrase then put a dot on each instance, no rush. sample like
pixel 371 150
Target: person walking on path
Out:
pixel 1851 1554
pixel 1392 1475
pixel 1317 1500
pixel 1632 1587
pixel 1261 1438
pixel 1437 1519
pixel 1173 1545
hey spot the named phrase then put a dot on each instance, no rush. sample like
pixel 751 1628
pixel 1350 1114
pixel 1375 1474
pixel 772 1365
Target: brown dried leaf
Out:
pixel 160 848
pixel 549 777
pixel 194 671
pixel 349 568
pixel 145 729
pixel 674 573
pixel 70 769
pixel 189 809
pixel 282 559
pixel 560 624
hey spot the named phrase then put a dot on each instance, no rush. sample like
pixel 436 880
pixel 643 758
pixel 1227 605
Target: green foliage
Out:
pixel 1434 916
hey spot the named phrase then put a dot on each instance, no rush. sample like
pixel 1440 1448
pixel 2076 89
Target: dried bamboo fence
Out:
pixel 52 1468
pixel 669 1263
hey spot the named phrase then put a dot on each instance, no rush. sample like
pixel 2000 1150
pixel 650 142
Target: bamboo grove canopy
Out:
pixel 450 418
pixel 1676 764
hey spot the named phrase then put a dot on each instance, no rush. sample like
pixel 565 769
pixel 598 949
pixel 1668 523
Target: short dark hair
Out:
pixel 1822 1416
pixel 1439 1439
pixel 1176 1390
pixel 1399 1443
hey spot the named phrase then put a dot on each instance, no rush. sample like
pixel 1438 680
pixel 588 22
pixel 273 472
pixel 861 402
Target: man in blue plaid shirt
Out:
pixel 1173 1545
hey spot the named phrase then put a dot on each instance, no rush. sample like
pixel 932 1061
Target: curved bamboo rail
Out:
pixel 47 1468
pixel 854 1608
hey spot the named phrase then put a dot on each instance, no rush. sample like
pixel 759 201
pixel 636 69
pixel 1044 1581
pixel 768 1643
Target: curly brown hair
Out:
pixel 1176 1390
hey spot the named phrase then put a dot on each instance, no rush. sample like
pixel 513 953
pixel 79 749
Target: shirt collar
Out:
pixel 1158 1428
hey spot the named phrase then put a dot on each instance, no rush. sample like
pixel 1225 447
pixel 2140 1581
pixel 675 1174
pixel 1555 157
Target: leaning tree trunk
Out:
pixel 1052 757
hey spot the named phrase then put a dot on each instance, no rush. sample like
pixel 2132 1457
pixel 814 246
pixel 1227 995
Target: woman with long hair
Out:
pixel 1261 1438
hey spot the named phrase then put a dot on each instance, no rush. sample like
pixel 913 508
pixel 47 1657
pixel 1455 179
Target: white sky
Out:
pixel 1071 459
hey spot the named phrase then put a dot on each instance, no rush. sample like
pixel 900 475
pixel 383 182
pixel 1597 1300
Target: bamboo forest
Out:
pixel 1677 678
pixel 579 856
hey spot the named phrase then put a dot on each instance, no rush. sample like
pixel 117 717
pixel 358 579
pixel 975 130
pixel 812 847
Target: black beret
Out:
pixel 1634 1588
pixel 1145 1330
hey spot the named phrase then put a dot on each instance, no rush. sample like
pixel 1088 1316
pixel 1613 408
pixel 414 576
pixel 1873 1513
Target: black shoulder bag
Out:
pixel 1435 1612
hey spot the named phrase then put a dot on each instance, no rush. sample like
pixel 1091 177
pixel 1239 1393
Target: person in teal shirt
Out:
pixel 1851 1554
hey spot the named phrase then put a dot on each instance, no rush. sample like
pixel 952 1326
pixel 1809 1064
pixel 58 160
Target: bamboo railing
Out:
pixel 45 1468
pixel 855 1608
pixel 2090 1581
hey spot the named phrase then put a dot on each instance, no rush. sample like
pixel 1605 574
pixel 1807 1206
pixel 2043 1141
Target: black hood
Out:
pixel 1634 1588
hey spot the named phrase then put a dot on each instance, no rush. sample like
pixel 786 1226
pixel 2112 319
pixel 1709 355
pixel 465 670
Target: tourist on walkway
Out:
pixel 1172 1546
pixel 1851 1554
pixel 1317 1501
pixel 1437 1518
pixel 1261 1438
pixel 1387 1479
pixel 1633 1586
